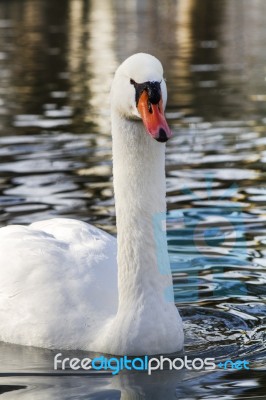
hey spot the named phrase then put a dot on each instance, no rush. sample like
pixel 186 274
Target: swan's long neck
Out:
pixel 139 184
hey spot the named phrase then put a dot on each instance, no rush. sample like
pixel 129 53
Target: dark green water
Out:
pixel 57 60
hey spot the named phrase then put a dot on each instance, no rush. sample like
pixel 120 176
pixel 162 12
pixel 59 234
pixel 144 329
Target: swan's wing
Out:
pixel 58 283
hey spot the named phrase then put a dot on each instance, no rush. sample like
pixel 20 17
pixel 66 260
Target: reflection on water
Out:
pixel 56 66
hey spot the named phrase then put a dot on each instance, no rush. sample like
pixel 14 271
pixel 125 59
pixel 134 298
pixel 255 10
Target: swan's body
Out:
pixel 59 282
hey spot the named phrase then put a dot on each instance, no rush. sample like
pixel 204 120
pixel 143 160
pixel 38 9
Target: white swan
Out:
pixel 59 285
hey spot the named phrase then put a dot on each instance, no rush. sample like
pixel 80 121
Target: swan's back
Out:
pixel 58 283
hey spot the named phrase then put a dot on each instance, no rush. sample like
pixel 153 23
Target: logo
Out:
pixel 215 230
pixel 238 364
pixel 209 234
pixel 145 363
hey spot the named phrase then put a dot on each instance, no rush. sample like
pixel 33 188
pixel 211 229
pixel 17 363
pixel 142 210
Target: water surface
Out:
pixel 56 66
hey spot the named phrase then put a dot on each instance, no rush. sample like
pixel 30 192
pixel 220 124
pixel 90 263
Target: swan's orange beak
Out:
pixel 153 118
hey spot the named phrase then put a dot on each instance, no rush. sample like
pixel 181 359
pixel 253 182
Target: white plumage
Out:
pixel 60 284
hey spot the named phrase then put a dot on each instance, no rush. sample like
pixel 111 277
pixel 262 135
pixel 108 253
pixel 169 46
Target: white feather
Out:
pixel 60 283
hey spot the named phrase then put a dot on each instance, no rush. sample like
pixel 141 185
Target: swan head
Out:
pixel 139 92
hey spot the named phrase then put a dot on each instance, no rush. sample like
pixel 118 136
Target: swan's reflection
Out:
pixel 33 368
